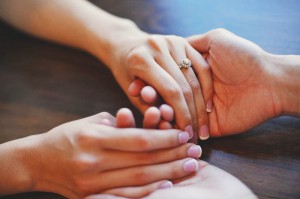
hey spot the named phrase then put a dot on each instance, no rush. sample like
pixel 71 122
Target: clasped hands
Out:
pixel 229 74
pixel 234 73
pixel 229 88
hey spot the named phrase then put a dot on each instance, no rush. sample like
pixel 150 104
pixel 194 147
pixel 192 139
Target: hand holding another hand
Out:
pixel 246 83
pixel 90 156
pixel 154 59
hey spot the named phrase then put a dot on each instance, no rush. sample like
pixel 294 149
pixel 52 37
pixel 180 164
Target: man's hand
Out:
pixel 244 87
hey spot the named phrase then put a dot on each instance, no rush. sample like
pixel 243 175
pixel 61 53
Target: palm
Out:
pixel 208 182
pixel 242 94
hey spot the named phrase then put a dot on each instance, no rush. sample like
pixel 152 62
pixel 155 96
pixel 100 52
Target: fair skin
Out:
pixel 127 51
pixel 250 85
pixel 74 158
pixel 208 182
pixel 270 76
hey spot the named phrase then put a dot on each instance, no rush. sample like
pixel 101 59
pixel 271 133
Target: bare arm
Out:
pixel 75 23
pixel 286 72
pixel 128 52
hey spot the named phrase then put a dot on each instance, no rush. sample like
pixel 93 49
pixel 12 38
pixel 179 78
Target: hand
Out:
pixel 74 158
pixel 244 89
pixel 208 182
pixel 154 59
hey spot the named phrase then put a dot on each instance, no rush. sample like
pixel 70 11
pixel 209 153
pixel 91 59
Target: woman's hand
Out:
pixel 154 60
pixel 86 156
pixel 208 182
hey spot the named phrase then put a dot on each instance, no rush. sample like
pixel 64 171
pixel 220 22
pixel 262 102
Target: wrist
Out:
pixel 109 45
pixel 15 176
pixel 286 73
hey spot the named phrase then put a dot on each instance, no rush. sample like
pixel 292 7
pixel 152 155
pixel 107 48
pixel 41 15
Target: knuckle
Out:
pixel 187 118
pixel 136 56
pixel 141 175
pixel 194 84
pixel 82 137
pixel 220 31
pixel 157 43
pixel 175 170
pixel 145 158
pixel 143 142
pixel 87 135
pixel 85 162
pixel 180 152
pixel 187 92
pixel 82 186
pixel 173 92
pixel 103 115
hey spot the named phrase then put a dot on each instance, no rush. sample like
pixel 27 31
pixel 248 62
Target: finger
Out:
pixel 152 118
pixel 118 159
pixel 149 95
pixel 167 112
pixel 136 176
pixel 132 139
pixel 203 104
pixel 195 92
pixel 140 191
pixel 135 87
pixel 200 42
pixel 204 75
pixel 171 67
pixel 169 90
pixel 125 119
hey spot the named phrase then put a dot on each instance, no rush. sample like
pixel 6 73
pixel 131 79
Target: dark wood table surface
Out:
pixel 43 84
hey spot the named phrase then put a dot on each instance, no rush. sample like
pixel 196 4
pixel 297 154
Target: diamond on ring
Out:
pixel 185 63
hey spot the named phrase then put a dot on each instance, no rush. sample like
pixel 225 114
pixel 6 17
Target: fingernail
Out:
pixel 204 133
pixel 165 185
pixel 209 106
pixel 191 166
pixel 183 137
pixel 194 151
pixel 189 129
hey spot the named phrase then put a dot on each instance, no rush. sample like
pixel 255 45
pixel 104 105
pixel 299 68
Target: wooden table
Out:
pixel 44 85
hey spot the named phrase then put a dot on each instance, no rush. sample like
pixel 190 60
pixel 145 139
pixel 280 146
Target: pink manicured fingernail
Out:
pixel 194 151
pixel 209 106
pixel 165 185
pixel 204 132
pixel 183 137
pixel 191 166
pixel 189 129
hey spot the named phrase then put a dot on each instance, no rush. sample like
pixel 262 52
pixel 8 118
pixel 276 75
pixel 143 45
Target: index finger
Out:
pixel 133 139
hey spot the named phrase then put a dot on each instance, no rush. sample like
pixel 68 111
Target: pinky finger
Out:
pixel 141 191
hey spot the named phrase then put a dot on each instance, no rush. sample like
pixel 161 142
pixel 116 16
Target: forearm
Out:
pixel 14 176
pixel 286 70
pixel 76 23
